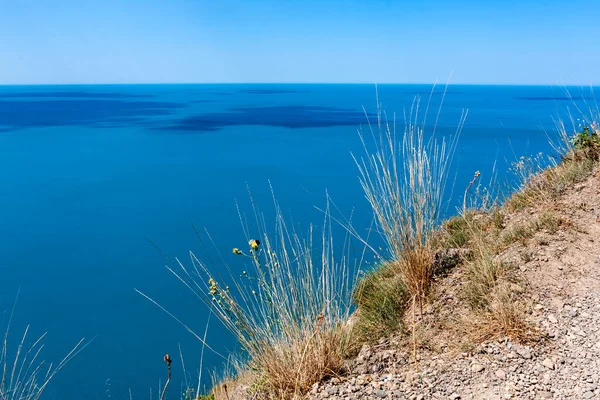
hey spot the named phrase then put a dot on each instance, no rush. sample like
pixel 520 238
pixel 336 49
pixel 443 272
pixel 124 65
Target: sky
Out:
pixel 320 41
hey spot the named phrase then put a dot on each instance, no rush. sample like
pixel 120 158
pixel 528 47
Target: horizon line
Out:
pixel 298 83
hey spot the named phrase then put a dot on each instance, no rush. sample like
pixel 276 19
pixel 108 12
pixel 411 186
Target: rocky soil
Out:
pixel 561 275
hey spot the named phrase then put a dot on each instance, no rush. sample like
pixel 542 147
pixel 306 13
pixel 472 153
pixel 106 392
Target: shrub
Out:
pixel 588 141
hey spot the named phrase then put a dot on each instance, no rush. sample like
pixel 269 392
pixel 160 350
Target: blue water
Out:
pixel 89 173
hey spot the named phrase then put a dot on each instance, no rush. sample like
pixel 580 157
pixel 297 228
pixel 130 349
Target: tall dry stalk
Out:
pixel 404 179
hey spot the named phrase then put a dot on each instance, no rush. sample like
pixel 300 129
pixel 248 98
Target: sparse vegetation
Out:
pixel 522 232
pixel 541 180
pixel 490 291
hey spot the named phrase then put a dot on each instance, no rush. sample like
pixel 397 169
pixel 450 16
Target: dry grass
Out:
pixel 403 198
pixel 522 232
pixel 504 316
pixel 288 310
pixel 24 375
pixel 540 180
pixel 404 181
pixel 544 186
pixel 494 298
pixel 490 291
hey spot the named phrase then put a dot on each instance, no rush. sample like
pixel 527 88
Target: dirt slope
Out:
pixel 560 274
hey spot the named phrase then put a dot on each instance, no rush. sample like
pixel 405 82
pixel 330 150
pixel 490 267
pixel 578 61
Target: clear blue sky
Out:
pixel 408 41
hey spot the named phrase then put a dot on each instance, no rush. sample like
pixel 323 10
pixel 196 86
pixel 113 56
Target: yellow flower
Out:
pixel 254 244
pixel 236 251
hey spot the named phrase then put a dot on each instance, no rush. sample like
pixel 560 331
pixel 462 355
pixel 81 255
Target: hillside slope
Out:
pixel 557 270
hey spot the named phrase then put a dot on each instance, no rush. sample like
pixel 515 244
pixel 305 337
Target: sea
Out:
pixel 102 186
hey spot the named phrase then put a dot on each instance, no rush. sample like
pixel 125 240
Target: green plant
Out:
pixel 456 232
pixel 587 139
pixel 382 299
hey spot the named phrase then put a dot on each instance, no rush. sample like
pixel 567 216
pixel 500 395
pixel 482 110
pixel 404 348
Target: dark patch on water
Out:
pixel 551 98
pixel 83 95
pixel 271 91
pixel 32 114
pixel 293 117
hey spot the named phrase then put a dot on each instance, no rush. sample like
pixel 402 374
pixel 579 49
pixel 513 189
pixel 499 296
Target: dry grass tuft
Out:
pixel 416 269
pixel 504 316
pixel 292 368
pixel 288 309
pixel 404 181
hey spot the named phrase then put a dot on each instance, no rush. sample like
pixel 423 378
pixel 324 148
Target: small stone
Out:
pixel 380 393
pixel 543 394
pixel 500 374
pixel 477 368
pixel 588 395
pixel 315 388
pixel 552 319
pixel 573 312
pixel 454 396
pixel 548 363
pixel 523 351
